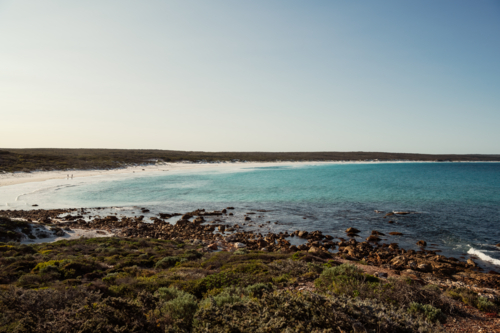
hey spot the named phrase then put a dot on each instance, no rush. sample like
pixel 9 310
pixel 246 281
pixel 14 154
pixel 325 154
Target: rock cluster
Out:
pixel 213 235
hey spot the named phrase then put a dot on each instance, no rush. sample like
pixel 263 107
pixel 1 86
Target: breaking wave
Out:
pixel 483 256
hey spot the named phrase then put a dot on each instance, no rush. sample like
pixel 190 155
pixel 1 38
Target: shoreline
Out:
pixel 16 178
pixel 211 230
pixel 164 250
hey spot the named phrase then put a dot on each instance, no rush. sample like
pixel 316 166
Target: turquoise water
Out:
pixel 455 206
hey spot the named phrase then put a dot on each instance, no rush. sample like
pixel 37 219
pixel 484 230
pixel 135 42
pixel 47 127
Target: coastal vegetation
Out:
pixel 201 275
pixel 26 160
pixel 120 284
pixel 138 285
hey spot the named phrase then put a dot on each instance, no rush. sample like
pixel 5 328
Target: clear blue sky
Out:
pixel 397 76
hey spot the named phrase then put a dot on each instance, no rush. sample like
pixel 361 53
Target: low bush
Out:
pixel 304 312
pixel 471 298
pixel 168 262
pixel 431 313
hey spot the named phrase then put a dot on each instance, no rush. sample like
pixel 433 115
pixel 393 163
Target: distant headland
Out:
pixel 46 159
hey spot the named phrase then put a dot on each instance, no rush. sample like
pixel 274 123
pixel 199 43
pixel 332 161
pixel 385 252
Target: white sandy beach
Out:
pixel 7 179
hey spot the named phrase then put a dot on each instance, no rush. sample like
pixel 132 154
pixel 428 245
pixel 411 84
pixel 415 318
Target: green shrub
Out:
pixel 54 263
pixel 168 262
pixel 431 313
pixel 178 305
pixel 192 255
pixel 29 280
pixel 281 279
pixel 486 305
pixel 304 312
pixel 344 269
pixel 471 298
pixel 256 290
pixel 227 296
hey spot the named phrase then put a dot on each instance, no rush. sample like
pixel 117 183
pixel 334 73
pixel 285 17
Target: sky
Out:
pixel 281 75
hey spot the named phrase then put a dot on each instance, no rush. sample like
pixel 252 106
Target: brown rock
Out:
pixel 314 249
pixel 199 219
pixel 471 262
pixel 213 247
pixel 352 231
pixel 378 233
pixel 302 234
pixel 395 233
pixel 373 238
pixel 422 243
pixel 424 267
pixel 398 261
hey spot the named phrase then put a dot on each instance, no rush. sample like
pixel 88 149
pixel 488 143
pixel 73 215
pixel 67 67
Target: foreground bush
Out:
pixel 149 285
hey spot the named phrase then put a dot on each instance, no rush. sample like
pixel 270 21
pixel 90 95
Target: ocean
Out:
pixel 454 207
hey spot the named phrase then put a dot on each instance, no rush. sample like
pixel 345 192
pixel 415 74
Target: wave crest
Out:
pixel 483 256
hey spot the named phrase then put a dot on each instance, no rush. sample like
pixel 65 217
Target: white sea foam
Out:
pixel 483 256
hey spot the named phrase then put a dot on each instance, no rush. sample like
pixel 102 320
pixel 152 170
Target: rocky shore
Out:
pixel 213 267
pixel 208 229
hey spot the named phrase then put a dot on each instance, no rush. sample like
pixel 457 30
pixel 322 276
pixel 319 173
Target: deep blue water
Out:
pixel 456 205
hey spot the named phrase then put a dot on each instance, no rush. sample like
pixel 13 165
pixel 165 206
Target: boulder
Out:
pixel 261 243
pixel 314 249
pixel 424 267
pixel 422 243
pixel 302 234
pixel 373 238
pixel 212 247
pixel 471 263
pixel 395 233
pixel 378 233
pixel 199 219
pixel 398 261
pixel 352 231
